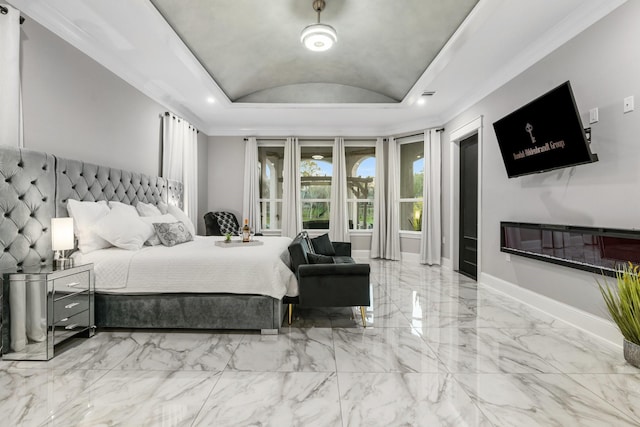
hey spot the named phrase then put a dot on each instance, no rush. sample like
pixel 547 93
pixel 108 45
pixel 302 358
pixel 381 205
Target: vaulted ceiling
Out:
pixel 237 67
pixel 253 51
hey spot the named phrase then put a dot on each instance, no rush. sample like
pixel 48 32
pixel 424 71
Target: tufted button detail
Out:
pixel 33 182
pixel 44 229
pixel 73 187
pixel 64 201
pixel 20 164
pixel 32 214
pixel 64 172
pixel 8 180
pixel 7 214
pixel 80 173
pixel 21 197
pixel 6 249
pixel 19 264
pixel 96 177
pixel 44 167
pixel 44 199
pixel 33 245
pixel 20 230
pixel 42 260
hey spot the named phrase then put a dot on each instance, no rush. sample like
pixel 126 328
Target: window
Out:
pixel 316 170
pixel 411 183
pixel 361 171
pixel 270 163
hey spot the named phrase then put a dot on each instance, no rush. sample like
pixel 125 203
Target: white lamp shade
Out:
pixel 62 234
pixel 319 37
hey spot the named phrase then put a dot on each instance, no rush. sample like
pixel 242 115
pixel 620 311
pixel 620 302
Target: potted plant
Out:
pixel 624 308
pixel 227 238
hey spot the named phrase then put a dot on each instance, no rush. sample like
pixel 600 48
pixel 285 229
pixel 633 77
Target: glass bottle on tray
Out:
pixel 246 231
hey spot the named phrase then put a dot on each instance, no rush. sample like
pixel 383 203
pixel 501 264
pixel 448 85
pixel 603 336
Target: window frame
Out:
pixel 314 143
pixel 266 144
pixel 402 141
pixel 369 144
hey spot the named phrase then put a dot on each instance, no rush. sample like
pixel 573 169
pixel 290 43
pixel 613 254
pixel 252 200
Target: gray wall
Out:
pixel 73 107
pixel 603 68
pixel 226 174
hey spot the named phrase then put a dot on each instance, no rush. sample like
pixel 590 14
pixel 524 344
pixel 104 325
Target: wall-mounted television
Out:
pixel 543 135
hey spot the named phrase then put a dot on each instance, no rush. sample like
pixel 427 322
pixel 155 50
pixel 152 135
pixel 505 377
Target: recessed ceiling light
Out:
pixel 210 100
pixel 317 157
pixel 421 101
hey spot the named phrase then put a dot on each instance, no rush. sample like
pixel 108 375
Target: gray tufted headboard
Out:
pixel 27 204
pixel 35 187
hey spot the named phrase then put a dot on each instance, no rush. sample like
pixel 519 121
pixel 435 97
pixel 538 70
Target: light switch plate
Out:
pixel 628 104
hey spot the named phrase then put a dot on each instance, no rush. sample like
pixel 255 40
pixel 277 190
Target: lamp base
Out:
pixel 63 263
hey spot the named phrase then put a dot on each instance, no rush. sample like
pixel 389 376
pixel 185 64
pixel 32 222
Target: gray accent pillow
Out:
pixel 172 233
pixel 320 259
pixel 322 245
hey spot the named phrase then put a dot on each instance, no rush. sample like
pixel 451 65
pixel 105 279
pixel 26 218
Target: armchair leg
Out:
pixel 364 319
pixel 290 312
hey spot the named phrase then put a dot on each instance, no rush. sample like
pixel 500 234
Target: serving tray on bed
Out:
pixel 238 243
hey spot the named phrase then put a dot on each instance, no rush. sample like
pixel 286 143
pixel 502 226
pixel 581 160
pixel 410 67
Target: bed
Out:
pixel 37 186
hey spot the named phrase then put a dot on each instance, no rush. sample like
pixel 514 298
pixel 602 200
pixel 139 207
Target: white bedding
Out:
pixel 197 266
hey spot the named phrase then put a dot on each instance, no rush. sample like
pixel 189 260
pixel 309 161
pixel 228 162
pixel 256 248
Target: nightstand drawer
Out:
pixel 69 326
pixel 70 305
pixel 70 284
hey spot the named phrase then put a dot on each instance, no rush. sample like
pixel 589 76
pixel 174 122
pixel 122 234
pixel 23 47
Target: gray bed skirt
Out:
pixel 189 311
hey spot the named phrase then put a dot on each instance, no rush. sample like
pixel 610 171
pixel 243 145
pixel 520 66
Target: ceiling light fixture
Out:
pixel 318 37
pixel 317 157
pixel 211 100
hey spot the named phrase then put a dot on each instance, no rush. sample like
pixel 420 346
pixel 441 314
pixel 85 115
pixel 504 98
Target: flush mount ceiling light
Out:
pixel 317 157
pixel 318 37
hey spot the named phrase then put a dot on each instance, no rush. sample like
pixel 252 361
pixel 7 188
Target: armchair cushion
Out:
pixel 322 245
pixel 320 259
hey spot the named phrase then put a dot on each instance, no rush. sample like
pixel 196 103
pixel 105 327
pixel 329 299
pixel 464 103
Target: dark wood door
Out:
pixel 468 244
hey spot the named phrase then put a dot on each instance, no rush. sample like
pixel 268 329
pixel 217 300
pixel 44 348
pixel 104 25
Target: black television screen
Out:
pixel 545 134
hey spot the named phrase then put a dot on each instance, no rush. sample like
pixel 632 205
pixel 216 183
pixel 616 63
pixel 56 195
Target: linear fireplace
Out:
pixel 599 250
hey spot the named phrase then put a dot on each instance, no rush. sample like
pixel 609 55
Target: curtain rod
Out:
pixel 310 138
pixel 4 11
pixel 167 113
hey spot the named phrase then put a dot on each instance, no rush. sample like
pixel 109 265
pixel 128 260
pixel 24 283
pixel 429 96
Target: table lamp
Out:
pixel 62 240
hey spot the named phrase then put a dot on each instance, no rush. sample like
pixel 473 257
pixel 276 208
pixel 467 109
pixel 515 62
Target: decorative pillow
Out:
pixel 163 208
pixel 147 209
pixel 150 220
pixel 227 222
pixel 322 245
pixel 181 216
pixel 172 233
pixel 85 216
pixel 124 229
pixel 320 259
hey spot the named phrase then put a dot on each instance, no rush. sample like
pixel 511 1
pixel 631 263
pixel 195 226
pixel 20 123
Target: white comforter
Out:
pixel 197 266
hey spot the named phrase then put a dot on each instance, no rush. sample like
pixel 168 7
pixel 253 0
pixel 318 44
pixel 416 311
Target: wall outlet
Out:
pixel 507 257
pixel 593 115
pixel 628 104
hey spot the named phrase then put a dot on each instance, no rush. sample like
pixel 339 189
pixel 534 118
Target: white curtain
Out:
pixel 291 213
pixel 180 159
pixel 430 243
pixel 392 244
pixel 251 193
pixel 378 238
pixel 339 212
pixel 10 105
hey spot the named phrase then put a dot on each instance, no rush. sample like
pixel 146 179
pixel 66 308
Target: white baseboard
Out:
pixel 587 322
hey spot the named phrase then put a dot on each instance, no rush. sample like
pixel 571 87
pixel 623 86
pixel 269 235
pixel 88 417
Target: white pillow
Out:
pixel 147 209
pixel 149 220
pixel 163 208
pixel 124 207
pixel 124 229
pixel 85 216
pixel 181 216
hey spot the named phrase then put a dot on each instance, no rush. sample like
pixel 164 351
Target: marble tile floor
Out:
pixel 438 350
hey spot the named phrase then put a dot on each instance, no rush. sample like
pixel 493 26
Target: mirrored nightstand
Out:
pixel 42 307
